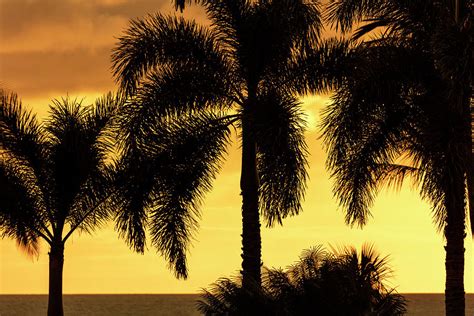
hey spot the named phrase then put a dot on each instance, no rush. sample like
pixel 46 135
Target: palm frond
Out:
pixel 393 175
pixel 21 206
pixel 391 303
pixel 278 31
pixel 100 123
pixel 344 282
pixel 228 297
pixel 94 202
pixel 169 92
pixel 134 182
pixel 196 146
pixel 281 156
pixel 319 70
pixel 176 167
pixel 20 130
pixel 159 40
pixel 343 14
pixel 227 18
pixel 177 90
pixel 21 133
pixel 372 121
pixel 359 152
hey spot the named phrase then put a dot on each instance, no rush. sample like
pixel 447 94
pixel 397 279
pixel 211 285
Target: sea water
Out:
pixel 171 305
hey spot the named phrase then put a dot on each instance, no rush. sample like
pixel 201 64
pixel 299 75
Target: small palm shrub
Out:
pixel 337 282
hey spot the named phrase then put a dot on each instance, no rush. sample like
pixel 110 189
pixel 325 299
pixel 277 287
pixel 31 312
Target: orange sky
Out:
pixel 51 48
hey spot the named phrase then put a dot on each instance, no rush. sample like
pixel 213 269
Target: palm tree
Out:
pixel 341 282
pixel 66 175
pixel 54 176
pixel 408 100
pixel 246 69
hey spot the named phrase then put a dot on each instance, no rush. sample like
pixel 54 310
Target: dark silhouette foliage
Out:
pixel 56 177
pixel 406 110
pixel 341 282
pixel 245 71
pixel 66 175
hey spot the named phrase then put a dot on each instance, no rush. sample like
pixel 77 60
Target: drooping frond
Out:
pixel 172 91
pixel 20 132
pixel 159 40
pixel 414 20
pixel 134 180
pixel 22 156
pixel 196 146
pixel 176 166
pixel 21 207
pixel 177 90
pixel 343 14
pixel 319 70
pixel 393 175
pixel 372 120
pixel 281 156
pixel 359 151
pixel 100 122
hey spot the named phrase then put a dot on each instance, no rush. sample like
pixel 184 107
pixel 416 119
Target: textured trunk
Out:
pixel 455 234
pixel 251 240
pixel 56 262
pixel 470 171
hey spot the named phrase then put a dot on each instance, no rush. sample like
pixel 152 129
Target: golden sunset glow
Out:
pixel 51 49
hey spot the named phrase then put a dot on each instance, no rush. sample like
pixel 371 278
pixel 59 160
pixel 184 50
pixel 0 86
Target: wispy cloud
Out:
pixel 64 46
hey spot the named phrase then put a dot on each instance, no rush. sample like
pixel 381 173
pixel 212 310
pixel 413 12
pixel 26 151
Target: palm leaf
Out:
pixel 167 181
pixel 159 40
pixel 281 158
pixel 20 205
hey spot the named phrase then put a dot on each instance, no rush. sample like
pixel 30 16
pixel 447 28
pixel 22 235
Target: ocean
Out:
pixel 171 305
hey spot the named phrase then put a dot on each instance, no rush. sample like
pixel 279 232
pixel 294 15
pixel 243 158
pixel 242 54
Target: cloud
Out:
pixel 65 45
pixel 61 25
pixel 39 73
pixel 55 24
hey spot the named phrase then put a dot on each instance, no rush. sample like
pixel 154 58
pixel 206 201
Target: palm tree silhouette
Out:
pixel 340 282
pixel 246 69
pixel 54 176
pixel 408 101
pixel 67 175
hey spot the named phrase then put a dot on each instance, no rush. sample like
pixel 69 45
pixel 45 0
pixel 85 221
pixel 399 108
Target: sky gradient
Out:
pixel 53 48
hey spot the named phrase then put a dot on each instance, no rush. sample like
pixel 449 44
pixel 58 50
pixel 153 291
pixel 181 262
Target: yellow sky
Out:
pixel 62 47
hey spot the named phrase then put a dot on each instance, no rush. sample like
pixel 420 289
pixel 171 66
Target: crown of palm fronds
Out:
pixel 54 174
pixel 182 78
pixel 340 282
pixel 404 99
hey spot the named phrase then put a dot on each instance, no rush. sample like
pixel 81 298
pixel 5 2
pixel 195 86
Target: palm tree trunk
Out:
pixel 470 171
pixel 56 262
pixel 455 234
pixel 251 239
